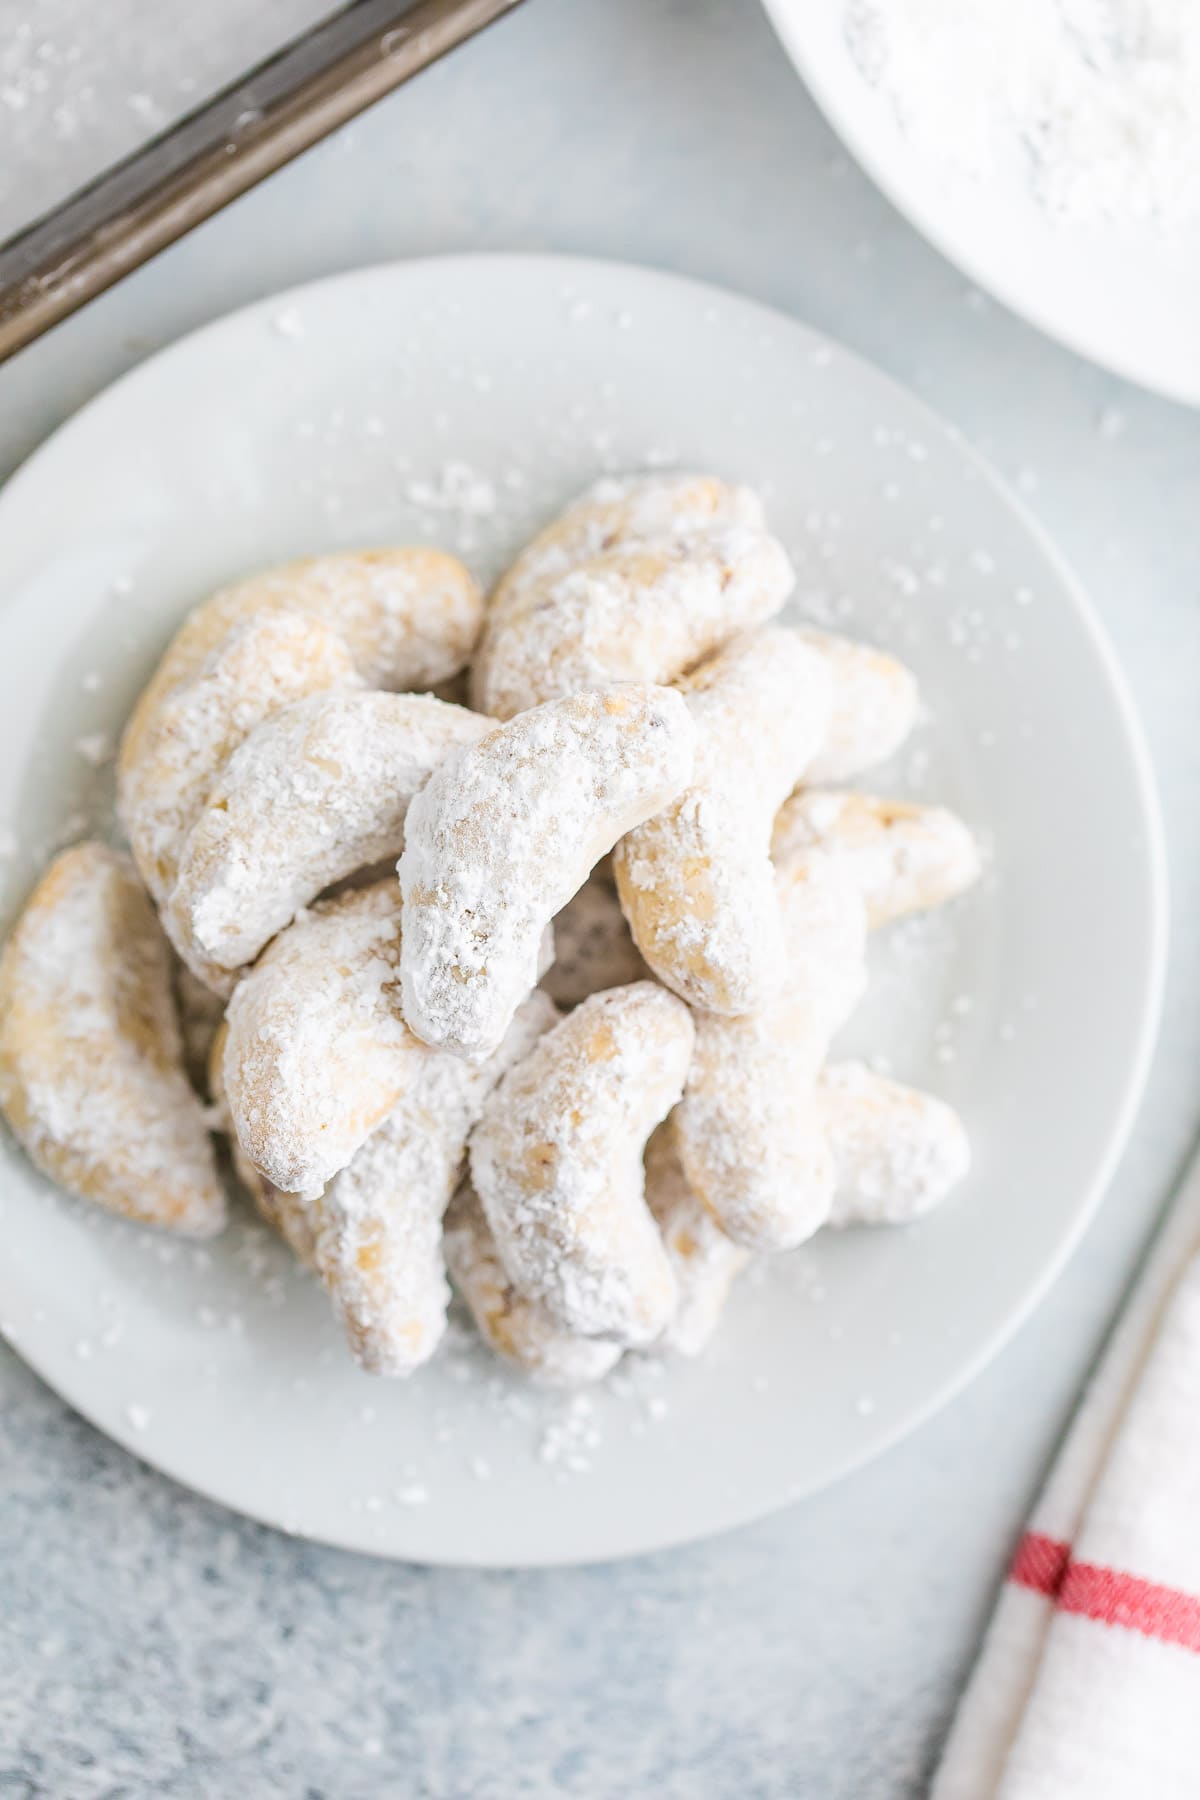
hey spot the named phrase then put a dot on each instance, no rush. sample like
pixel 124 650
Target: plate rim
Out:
pixel 923 218
pixel 1153 860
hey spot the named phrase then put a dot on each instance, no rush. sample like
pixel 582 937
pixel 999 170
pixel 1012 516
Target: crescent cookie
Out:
pixel 377 1228
pixel 409 617
pixel 902 858
pixel 749 1131
pixel 286 1214
pixel 636 581
pixel 374 1235
pixel 315 793
pixel 897 1152
pixel 556 1160
pixel 317 1054
pixel 171 750
pixel 517 1329
pixel 696 880
pixel 388 618
pixel 875 706
pixel 91 1063
pixel 503 834
pixel 705 1261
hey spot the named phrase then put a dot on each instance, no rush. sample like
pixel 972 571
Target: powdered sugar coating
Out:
pixel 377 1228
pixel 409 617
pixel 705 1261
pixel 288 1214
pixel 897 1152
pixel 649 507
pixel 592 946
pixel 824 970
pixel 696 880
pixel 903 858
pixel 172 750
pixel 518 1329
pixel 317 1053
pixel 749 1134
pixel 557 1163
pixel 91 1063
pixel 634 582
pixel 875 706
pixel 503 834
pixel 318 791
pixel 749 1131
pixel 293 1218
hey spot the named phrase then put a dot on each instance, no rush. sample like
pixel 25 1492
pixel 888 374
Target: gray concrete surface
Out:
pixel 151 1644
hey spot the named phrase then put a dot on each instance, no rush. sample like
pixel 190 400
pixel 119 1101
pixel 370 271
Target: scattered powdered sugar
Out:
pixel 288 324
pixel 1095 102
pixel 456 488
pixel 570 1440
pixel 413 1493
pixel 96 748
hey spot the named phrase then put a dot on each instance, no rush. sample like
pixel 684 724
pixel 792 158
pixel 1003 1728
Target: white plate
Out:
pixel 337 415
pixel 1129 298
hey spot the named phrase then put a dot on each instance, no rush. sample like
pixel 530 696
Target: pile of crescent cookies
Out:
pixel 575 1059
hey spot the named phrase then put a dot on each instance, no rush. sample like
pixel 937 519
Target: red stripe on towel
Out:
pixel 1112 1598
pixel 1040 1563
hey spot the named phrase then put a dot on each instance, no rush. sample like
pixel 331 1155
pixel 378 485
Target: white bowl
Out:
pixel 1127 297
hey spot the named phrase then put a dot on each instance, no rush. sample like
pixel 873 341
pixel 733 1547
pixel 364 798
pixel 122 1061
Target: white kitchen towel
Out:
pixel 1088 1683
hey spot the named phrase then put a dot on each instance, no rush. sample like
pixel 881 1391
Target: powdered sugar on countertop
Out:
pixel 78 91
